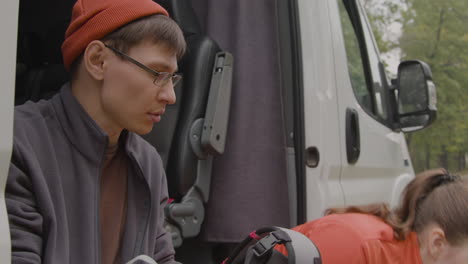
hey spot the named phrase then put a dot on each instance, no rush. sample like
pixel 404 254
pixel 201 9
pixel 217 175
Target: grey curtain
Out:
pixel 249 185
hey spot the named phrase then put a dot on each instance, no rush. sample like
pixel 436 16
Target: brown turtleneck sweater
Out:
pixel 113 203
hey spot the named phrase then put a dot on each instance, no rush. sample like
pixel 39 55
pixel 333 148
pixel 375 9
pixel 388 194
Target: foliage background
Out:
pixel 436 32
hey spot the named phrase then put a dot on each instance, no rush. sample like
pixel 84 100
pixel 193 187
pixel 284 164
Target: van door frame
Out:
pixel 9 28
pixel 293 106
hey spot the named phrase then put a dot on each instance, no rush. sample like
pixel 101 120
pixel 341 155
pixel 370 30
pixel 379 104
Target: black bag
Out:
pixel 259 248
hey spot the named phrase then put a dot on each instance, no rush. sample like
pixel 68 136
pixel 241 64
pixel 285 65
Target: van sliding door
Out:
pixel 321 127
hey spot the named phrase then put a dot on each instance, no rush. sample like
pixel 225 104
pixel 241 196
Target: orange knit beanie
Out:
pixel 94 19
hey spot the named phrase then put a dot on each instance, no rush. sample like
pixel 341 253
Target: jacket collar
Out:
pixel 85 134
pixel 80 129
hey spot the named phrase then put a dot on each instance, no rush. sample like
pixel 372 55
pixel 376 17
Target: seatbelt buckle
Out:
pixel 264 245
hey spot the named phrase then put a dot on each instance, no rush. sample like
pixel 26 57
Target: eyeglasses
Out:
pixel 160 78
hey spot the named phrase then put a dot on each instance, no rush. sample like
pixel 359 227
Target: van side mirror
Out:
pixel 416 96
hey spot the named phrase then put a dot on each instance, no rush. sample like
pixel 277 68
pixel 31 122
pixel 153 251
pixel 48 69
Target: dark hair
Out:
pixel 434 196
pixel 157 28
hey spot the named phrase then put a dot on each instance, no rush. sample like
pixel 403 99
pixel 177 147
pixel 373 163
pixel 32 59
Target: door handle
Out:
pixel 353 140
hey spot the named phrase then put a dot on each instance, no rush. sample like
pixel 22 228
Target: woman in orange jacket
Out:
pixel 429 227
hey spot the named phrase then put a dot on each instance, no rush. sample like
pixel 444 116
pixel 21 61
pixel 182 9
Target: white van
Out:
pixel 285 109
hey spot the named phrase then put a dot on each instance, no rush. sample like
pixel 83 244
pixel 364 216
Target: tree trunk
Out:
pixel 427 163
pixel 461 161
pixel 444 158
pixel 408 140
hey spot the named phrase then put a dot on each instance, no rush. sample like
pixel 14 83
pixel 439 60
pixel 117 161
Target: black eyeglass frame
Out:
pixel 166 76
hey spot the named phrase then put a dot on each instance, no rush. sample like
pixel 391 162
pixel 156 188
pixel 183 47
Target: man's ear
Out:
pixel 437 242
pixel 93 59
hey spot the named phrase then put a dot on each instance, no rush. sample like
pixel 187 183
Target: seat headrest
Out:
pixel 182 12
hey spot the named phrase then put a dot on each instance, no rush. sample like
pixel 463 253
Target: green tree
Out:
pixel 382 14
pixel 436 32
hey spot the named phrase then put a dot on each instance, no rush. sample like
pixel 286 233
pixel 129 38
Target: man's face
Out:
pixel 129 97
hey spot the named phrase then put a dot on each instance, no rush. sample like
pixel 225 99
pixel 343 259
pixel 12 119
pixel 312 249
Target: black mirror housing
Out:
pixel 417 99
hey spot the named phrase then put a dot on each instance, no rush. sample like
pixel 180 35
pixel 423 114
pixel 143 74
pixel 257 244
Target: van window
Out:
pixel 355 63
pixel 364 64
pixel 376 69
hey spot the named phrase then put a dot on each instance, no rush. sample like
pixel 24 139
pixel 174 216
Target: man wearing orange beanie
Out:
pixel 83 187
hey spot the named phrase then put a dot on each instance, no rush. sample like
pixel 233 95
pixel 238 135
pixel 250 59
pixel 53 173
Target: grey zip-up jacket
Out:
pixel 52 192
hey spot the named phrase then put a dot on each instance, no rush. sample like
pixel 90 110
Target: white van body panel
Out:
pixel 384 167
pixel 9 29
pixel 320 105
